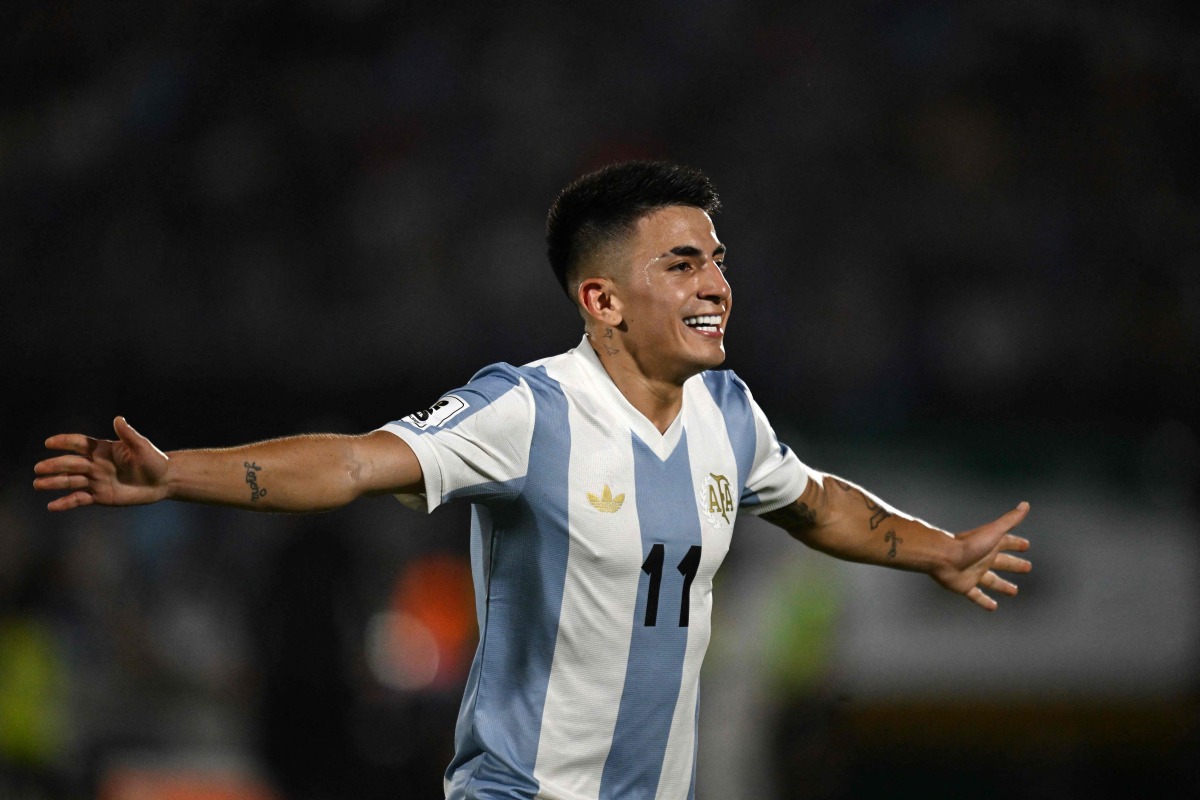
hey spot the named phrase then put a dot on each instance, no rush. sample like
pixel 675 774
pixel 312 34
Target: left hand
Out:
pixel 984 550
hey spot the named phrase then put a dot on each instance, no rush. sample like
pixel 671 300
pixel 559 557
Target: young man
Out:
pixel 605 483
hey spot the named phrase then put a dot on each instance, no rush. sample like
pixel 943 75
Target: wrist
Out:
pixel 170 484
pixel 926 548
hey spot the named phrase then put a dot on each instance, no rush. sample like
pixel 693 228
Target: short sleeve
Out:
pixel 778 476
pixel 473 442
pixel 771 474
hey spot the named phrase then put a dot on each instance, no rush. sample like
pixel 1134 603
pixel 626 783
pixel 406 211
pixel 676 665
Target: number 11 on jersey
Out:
pixel 653 566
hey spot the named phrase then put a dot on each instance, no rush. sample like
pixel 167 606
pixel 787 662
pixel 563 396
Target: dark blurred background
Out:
pixel 965 243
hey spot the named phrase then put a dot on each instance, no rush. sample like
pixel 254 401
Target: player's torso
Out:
pixel 649 519
pixel 649 510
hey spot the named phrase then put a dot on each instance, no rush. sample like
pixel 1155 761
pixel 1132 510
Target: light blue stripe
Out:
pixel 525 569
pixel 667 512
pixel 486 387
pixel 490 490
pixel 730 395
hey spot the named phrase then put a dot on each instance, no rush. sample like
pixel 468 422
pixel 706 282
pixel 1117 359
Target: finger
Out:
pixel 1013 518
pixel 980 599
pixel 75 442
pixel 132 439
pixel 995 583
pixel 1008 563
pixel 58 483
pixel 126 433
pixel 1013 542
pixel 73 500
pixel 71 465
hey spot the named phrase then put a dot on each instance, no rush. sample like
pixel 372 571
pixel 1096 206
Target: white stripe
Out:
pixel 461 460
pixel 705 455
pixel 774 477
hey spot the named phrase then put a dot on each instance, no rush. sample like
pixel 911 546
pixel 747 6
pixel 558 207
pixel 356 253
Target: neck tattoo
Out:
pixel 608 334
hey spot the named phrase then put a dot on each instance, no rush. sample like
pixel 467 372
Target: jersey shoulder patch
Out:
pixel 439 413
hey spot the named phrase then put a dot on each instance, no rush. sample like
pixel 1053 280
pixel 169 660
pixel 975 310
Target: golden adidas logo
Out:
pixel 606 502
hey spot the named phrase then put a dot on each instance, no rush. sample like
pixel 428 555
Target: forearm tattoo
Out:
pixel 878 512
pixel 252 471
pixel 891 536
pixel 795 517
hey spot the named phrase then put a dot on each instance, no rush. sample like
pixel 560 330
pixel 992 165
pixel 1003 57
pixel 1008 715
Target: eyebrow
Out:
pixel 688 251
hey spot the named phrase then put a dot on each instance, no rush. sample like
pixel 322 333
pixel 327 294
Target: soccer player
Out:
pixel 604 485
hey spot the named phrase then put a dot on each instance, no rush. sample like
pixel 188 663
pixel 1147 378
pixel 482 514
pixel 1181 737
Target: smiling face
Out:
pixel 670 295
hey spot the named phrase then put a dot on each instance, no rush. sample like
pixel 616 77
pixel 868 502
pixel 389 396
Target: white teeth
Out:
pixel 708 322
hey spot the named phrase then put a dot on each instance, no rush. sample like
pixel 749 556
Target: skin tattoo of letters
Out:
pixel 891 536
pixel 252 471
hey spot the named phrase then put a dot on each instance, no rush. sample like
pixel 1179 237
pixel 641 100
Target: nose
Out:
pixel 713 285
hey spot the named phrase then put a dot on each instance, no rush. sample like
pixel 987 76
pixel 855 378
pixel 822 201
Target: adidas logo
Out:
pixel 606 502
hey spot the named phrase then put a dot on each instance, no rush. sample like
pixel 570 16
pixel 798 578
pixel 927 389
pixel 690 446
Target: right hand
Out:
pixel 984 550
pixel 126 472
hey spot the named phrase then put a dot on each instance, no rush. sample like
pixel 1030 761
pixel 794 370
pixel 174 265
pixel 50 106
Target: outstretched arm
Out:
pixel 299 473
pixel 844 520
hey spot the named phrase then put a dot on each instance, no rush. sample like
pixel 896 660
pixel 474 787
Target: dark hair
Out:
pixel 605 205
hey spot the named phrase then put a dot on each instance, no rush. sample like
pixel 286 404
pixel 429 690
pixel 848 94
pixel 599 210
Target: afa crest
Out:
pixel 716 500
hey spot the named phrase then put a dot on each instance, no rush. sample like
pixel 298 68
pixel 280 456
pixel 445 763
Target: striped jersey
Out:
pixel 594 541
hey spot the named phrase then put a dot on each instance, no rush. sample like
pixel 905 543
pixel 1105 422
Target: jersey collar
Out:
pixel 663 444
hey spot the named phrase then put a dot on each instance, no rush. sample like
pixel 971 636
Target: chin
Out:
pixel 710 360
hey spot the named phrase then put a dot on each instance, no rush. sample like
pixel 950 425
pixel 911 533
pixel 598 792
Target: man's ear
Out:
pixel 599 301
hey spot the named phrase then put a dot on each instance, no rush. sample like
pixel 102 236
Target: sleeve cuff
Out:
pixel 789 495
pixel 431 469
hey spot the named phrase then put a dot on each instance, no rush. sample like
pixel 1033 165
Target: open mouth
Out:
pixel 705 323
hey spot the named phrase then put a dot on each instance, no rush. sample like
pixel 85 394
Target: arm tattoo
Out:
pixel 891 536
pixel 795 517
pixel 878 512
pixel 252 471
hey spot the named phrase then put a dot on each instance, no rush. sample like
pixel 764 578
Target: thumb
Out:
pixel 982 540
pixel 136 443
pixel 127 434
pixel 995 530
pixel 1014 518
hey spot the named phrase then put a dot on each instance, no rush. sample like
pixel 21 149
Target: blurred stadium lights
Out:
pixel 424 640
pixel 402 652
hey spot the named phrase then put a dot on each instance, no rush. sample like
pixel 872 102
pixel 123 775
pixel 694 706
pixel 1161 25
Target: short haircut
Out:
pixel 604 207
